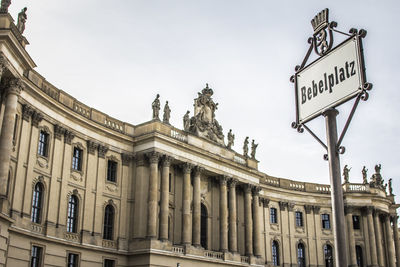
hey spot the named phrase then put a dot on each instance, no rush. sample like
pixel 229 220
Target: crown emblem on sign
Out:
pixel 207 91
pixel 320 21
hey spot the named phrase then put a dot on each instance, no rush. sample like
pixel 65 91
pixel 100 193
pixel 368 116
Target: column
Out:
pixel 186 220
pixel 378 233
pixel 248 221
pixel 152 208
pixel 139 214
pixel 396 239
pixel 196 206
pixel 256 222
pixel 389 240
pixel 350 231
pixel 223 214
pixel 164 207
pixel 232 216
pixel 372 239
pixel 11 94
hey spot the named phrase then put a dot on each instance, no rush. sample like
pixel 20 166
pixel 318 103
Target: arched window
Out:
pixel 359 256
pixel 72 218
pixel 301 258
pixel 275 253
pixel 328 254
pixel 37 203
pixel 203 230
pixel 108 222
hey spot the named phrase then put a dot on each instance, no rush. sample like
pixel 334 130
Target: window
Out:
pixel 273 215
pixel 77 159
pixel 328 256
pixel 169 183
pixel 326 223
pixel 73 260
pixel 72 219
pixel 356 222
pixel 43 144
pixel 36 256
pixel 112 171
pixel 275 253
pixel 109 263
pixel 299 218
pixel 359 256
pixel 301 260
pixel 14 139
pixel 108 222
pixel 203 226
pixel 37 203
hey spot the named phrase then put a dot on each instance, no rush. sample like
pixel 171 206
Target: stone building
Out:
pixel 80 188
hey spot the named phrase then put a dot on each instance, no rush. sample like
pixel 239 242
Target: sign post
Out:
pixel 336 77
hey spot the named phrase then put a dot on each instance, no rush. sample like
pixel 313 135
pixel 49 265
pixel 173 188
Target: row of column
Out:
pixel 376 236
pixel 191 223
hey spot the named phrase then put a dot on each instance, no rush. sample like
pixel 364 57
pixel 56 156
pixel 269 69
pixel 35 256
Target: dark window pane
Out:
pixel 108 222
pixel 359 256
pixel 275 253
pixel 299 218
pixel 326 224
pixel 356 222
pixel 43 143
pixel 37 203
pixel 112 171
pixel 36 256
pixel 73 260
pixel 273 215
pixel 72 214
pixel 109 263
pixel 301 260
pixel 77 159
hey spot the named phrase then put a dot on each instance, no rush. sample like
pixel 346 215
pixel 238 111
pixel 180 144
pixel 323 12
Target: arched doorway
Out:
pixel 203 226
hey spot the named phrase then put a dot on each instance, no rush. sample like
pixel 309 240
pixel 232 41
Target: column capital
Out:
pixel 58 131
pixel 316 209
pixel 3 61
pixel 68 136
pixel 14 86
pixel 283 205
pixel 102 151
pixel 349 209
pixel 223 179
pixel 27 112
pixel 140 160
pixel 291 206
pixel 153 157
pixel 264 201
pixel 92 146
pixel 199 170
pixel 166 161
pixel 256 190
pixel 187 167
pixel 232 182
pixel 247 188
pixel 126 158
pixel 308 209
pixel 36 118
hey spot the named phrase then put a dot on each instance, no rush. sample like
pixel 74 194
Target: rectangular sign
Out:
pixel 330 80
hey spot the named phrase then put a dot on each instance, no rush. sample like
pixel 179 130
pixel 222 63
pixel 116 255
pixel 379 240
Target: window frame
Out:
pixel 43 143
pixel 37 203
pixel 275 256
pixel 39 255
pixel 77 259
pixel 273 216
pixel 112 171
pixel 325 222
pixel 72 216
pixel 301 259
pixel 77 159
pixel 109 222
pixel 356 222
pixel 298 215
pixel 112 261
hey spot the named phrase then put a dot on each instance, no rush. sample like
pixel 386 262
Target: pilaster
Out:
pixel 186 216
pixel 223 213
pixel 232 216
pixel 152 211
pixel 248 220
pixel 197 206
pixel 141 194
pixel 164 199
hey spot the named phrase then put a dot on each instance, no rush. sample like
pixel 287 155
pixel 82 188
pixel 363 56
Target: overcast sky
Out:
pixel 115 56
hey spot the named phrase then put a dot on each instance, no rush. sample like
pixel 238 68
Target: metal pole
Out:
pixel 339 228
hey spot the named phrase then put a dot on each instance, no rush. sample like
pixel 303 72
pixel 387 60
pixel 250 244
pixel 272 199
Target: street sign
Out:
pixel 330 80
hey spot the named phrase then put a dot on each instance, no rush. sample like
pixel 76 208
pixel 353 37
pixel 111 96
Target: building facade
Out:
pixel 80 188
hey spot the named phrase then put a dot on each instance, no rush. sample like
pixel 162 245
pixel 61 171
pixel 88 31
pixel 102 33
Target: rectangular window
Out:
pixel 299 218
pixel 36 256
pixel 170 183
pixel 73 260
pixel 356 222
pixel 273 215
pixel 77 159
pixel 112 171
pixel 109 263
pixel 326 223
pixel 15 130
pixel 43 143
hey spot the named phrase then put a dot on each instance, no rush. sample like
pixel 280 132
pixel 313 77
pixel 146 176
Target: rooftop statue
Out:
pixel 203 123
pixel 4 6
pixel 346 171
pixel 167 113
pixel 186 121
pixel 156 107
pixel 22 20
pixel 246 147
pixel 253 149
pixel 377 180
pixel 390 187
pixel 364 175
pixel 231 139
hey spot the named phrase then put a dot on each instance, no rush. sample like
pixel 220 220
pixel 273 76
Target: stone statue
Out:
pixel 253 149
pixel 4 6
pixel 346 171
pixel 167 113
pixel 156 107
pixel 246 147
pixel 390 187
pixel 231 139
pixel 378 169
pixel 186 121
pixel 21 20
pixel 364 175
pixel 376 180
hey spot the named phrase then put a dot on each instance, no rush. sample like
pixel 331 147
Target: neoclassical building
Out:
pixel 80 188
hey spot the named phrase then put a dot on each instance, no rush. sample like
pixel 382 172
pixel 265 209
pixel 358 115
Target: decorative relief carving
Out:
pixel 102 151
pixel 72 236
pixel 111 187
pixel 109 243
pixel 42 162
pixel 76 177
pixel 36 228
